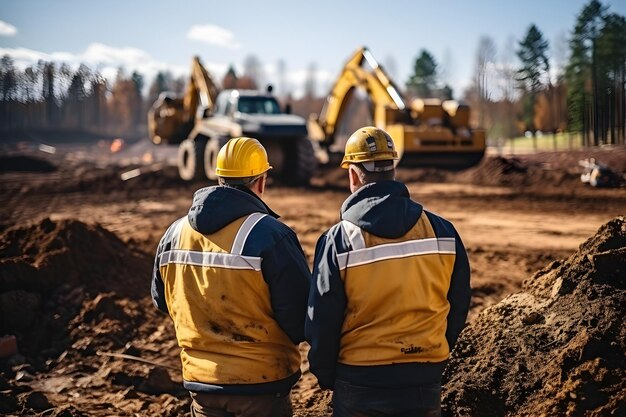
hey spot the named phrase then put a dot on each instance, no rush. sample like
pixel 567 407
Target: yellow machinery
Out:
pixel 427 132
pixel 170 119
pixel 203 120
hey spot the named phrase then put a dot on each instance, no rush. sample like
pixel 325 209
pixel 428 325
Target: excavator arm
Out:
pixel 428 132
pixel 383 93
pixel 170 119
pixel 200 91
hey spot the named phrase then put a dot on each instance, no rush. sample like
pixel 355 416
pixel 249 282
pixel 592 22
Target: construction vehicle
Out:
pixel 204 119
pixel 427 132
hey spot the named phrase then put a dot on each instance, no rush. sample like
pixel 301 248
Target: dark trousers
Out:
pixel 220 405
pixel 351 400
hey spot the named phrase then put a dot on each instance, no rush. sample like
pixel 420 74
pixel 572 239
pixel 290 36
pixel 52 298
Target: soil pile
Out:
pixel 25 163
pixel 520 172
pixel 47 255
pixel 140 167
pixel 88 177
pixel 74 295
pixel 556 348
pixel 551 169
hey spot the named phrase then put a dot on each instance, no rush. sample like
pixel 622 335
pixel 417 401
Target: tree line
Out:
pixel 55 97
pixel 52 96
pixel 576 85
pixel 579 87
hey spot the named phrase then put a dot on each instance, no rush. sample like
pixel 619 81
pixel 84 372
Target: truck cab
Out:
pixel 252 113
pixel 258 115
pixel 204 119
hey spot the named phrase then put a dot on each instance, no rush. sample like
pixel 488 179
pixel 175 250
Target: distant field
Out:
pixel 546 142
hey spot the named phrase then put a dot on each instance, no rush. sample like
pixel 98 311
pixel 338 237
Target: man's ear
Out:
pixel 355 180
pixel 261 184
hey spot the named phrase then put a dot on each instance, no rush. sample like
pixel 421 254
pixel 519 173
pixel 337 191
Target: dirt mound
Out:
pixel 89 177
pixel 47 255
pixel 48 269
pixel 24 163
pixel 516 172
pixel 546 169
pixel 497 171
pixel 556 348
pixel 76 298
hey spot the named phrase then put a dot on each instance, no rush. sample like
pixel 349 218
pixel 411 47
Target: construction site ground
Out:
pixel 76 247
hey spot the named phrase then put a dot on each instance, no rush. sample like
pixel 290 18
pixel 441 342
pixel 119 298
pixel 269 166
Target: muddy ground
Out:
pixel 76 245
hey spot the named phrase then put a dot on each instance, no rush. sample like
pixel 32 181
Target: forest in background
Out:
pixel 577 85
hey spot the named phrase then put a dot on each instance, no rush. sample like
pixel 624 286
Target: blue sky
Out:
pixel 155 35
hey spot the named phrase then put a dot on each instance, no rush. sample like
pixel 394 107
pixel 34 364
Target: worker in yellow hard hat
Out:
pixel 235 282
pixel 390 292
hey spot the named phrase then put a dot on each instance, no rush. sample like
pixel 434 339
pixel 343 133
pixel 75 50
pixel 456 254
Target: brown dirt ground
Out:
pixel 76 245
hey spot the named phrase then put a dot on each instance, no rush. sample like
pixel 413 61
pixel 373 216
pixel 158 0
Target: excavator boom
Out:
pixel 170 119
pixel 377 85
pixel 427 132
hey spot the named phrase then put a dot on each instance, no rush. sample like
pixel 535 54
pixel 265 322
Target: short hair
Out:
pixel 368 177
pixel 247 181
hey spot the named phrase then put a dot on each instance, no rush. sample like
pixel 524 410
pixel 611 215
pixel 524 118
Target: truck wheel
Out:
pixel 213 147
pixel 301 163
pixel 191 158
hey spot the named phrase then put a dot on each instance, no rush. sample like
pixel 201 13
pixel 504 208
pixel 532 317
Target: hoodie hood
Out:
pixel 215 207
pixel 383 208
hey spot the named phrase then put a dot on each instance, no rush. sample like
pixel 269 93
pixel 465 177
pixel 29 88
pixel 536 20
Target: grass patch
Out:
pixel 542 143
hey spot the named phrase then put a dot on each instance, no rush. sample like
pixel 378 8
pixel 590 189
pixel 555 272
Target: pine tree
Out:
pixel 74 103
pixel 611 62
pixel 423 82
pixel 8 90
pixel 533 74
pixel 581 72
pixel 485 56
pixel 139 110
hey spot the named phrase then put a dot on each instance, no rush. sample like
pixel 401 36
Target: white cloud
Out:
pixel 324 80
pixel 104 54
pixel 23 57
pixel 7 29
pixel 213 35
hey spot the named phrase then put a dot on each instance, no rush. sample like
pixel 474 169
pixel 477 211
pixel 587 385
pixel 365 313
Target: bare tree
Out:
pixel 507 88
pixel 391 67
pixel 560 48
pixel 446 70
pixel 281 67
pixel 310 84
pixel 485 59
pixel 253 69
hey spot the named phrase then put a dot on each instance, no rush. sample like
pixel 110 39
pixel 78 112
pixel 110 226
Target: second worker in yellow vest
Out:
pixel 390 292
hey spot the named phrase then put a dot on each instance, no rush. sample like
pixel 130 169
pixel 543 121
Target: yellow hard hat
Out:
pixel 242 157
pixel 369 144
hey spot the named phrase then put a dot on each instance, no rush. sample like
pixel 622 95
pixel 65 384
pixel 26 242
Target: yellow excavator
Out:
pixel 204 119
pixel 427 132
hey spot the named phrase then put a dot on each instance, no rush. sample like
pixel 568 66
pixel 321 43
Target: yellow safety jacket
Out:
pixel 396 292
pixel 390 292
pixel 214 288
